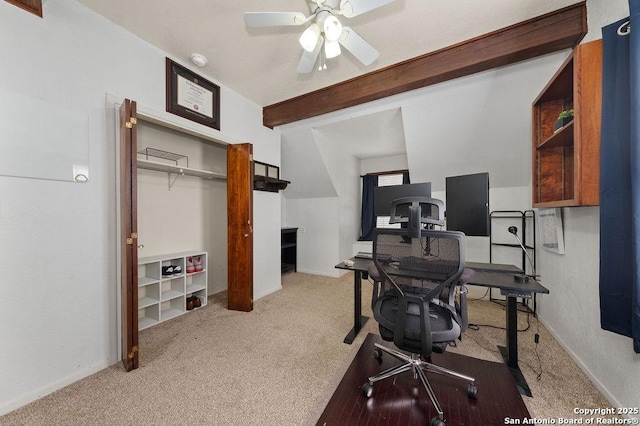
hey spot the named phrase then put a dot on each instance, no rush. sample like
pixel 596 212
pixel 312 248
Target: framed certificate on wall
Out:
pixel 191 96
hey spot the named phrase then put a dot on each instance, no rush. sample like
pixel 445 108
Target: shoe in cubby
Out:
pixel 197 262
pixel 191 303
pixel 191 268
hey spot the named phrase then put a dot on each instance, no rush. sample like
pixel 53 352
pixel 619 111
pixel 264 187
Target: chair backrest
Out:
pixel 422 265
pixel 416 211
pixel 413 274
pixel 431 210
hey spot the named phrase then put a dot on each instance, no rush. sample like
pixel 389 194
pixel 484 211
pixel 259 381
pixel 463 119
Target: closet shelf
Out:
pixel 270 184
pixel 165 155
pixel 184 171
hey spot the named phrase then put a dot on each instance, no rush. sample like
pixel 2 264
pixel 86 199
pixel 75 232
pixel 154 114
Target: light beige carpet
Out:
pixel 278 365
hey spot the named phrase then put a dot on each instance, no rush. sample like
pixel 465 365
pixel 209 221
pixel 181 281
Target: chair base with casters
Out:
pixel 418 367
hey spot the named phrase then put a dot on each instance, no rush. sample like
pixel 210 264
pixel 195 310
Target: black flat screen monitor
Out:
pixel 468 204
pixel 384 195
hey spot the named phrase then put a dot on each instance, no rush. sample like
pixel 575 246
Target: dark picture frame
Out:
pixel 191 96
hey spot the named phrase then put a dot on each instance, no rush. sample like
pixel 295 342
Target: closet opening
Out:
pixel 185 203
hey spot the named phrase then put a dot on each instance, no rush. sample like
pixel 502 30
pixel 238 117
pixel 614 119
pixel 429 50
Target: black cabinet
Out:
pixel 289 256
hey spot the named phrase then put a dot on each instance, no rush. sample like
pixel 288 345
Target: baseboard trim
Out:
pixel 333 274
pixel 614 402
pixel 29 397
pixel 266 293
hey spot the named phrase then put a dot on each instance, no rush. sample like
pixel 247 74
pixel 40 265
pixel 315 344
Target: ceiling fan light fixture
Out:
pixel 332 28
pixel 309 37
pixel 324 36
pixel 331 49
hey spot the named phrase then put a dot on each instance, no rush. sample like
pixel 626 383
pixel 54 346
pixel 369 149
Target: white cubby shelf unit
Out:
pixel 161 298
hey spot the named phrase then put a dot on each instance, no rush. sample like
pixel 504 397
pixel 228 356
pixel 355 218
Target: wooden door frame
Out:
pixel 128 235
pixel 127 169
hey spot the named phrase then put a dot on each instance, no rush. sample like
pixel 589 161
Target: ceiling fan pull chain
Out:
pixel 322 62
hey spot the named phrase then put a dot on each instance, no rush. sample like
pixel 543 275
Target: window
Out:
pixel 388 180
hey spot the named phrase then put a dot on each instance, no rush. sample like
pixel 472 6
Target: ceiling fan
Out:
pixel 325 30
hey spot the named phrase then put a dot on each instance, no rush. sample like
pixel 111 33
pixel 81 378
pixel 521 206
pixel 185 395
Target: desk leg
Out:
pixel 512 332
pixel 510 353
pixel 358 319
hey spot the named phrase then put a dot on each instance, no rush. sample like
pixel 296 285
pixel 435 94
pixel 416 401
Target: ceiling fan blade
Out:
pixel 351 8
pixel 273 19
pixel 358 47
pixel 308 59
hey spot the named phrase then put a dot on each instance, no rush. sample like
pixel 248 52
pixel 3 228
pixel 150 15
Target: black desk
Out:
pixel 487 275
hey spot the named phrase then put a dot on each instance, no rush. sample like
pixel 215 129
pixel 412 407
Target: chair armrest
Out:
pixel 467 276
pixel 373 272
pixel 375 276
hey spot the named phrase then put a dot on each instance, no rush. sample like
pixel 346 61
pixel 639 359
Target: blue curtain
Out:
pixel 634 40
pixel 368 218
pixel 620 179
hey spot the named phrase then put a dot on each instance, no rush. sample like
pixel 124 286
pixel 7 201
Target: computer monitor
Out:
pixel 468 204
pixel 384 195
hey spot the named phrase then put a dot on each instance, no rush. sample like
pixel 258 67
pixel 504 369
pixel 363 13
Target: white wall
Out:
pixel 317 220
pixel 310 202
pixel 384 164
pixel 343 170
pixel 58 254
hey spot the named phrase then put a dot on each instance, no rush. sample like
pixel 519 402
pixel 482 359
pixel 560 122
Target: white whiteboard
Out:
pixel 40 139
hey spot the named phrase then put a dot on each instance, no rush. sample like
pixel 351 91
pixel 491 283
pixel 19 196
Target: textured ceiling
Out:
pixel 260 63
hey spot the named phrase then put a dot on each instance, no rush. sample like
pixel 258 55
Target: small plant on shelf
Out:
pixel 563 119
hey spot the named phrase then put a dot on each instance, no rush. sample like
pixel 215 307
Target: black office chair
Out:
pixel 414 302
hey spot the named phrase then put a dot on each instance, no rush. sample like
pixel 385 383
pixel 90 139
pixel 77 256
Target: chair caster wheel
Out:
pixel 437 422
pixel 377 354
pixel 367 390
pixel 472 391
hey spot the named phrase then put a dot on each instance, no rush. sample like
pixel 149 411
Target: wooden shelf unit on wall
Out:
pixel 566 164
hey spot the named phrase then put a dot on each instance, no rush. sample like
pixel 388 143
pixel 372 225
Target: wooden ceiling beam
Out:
pixel 545 34
pixel 33 6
